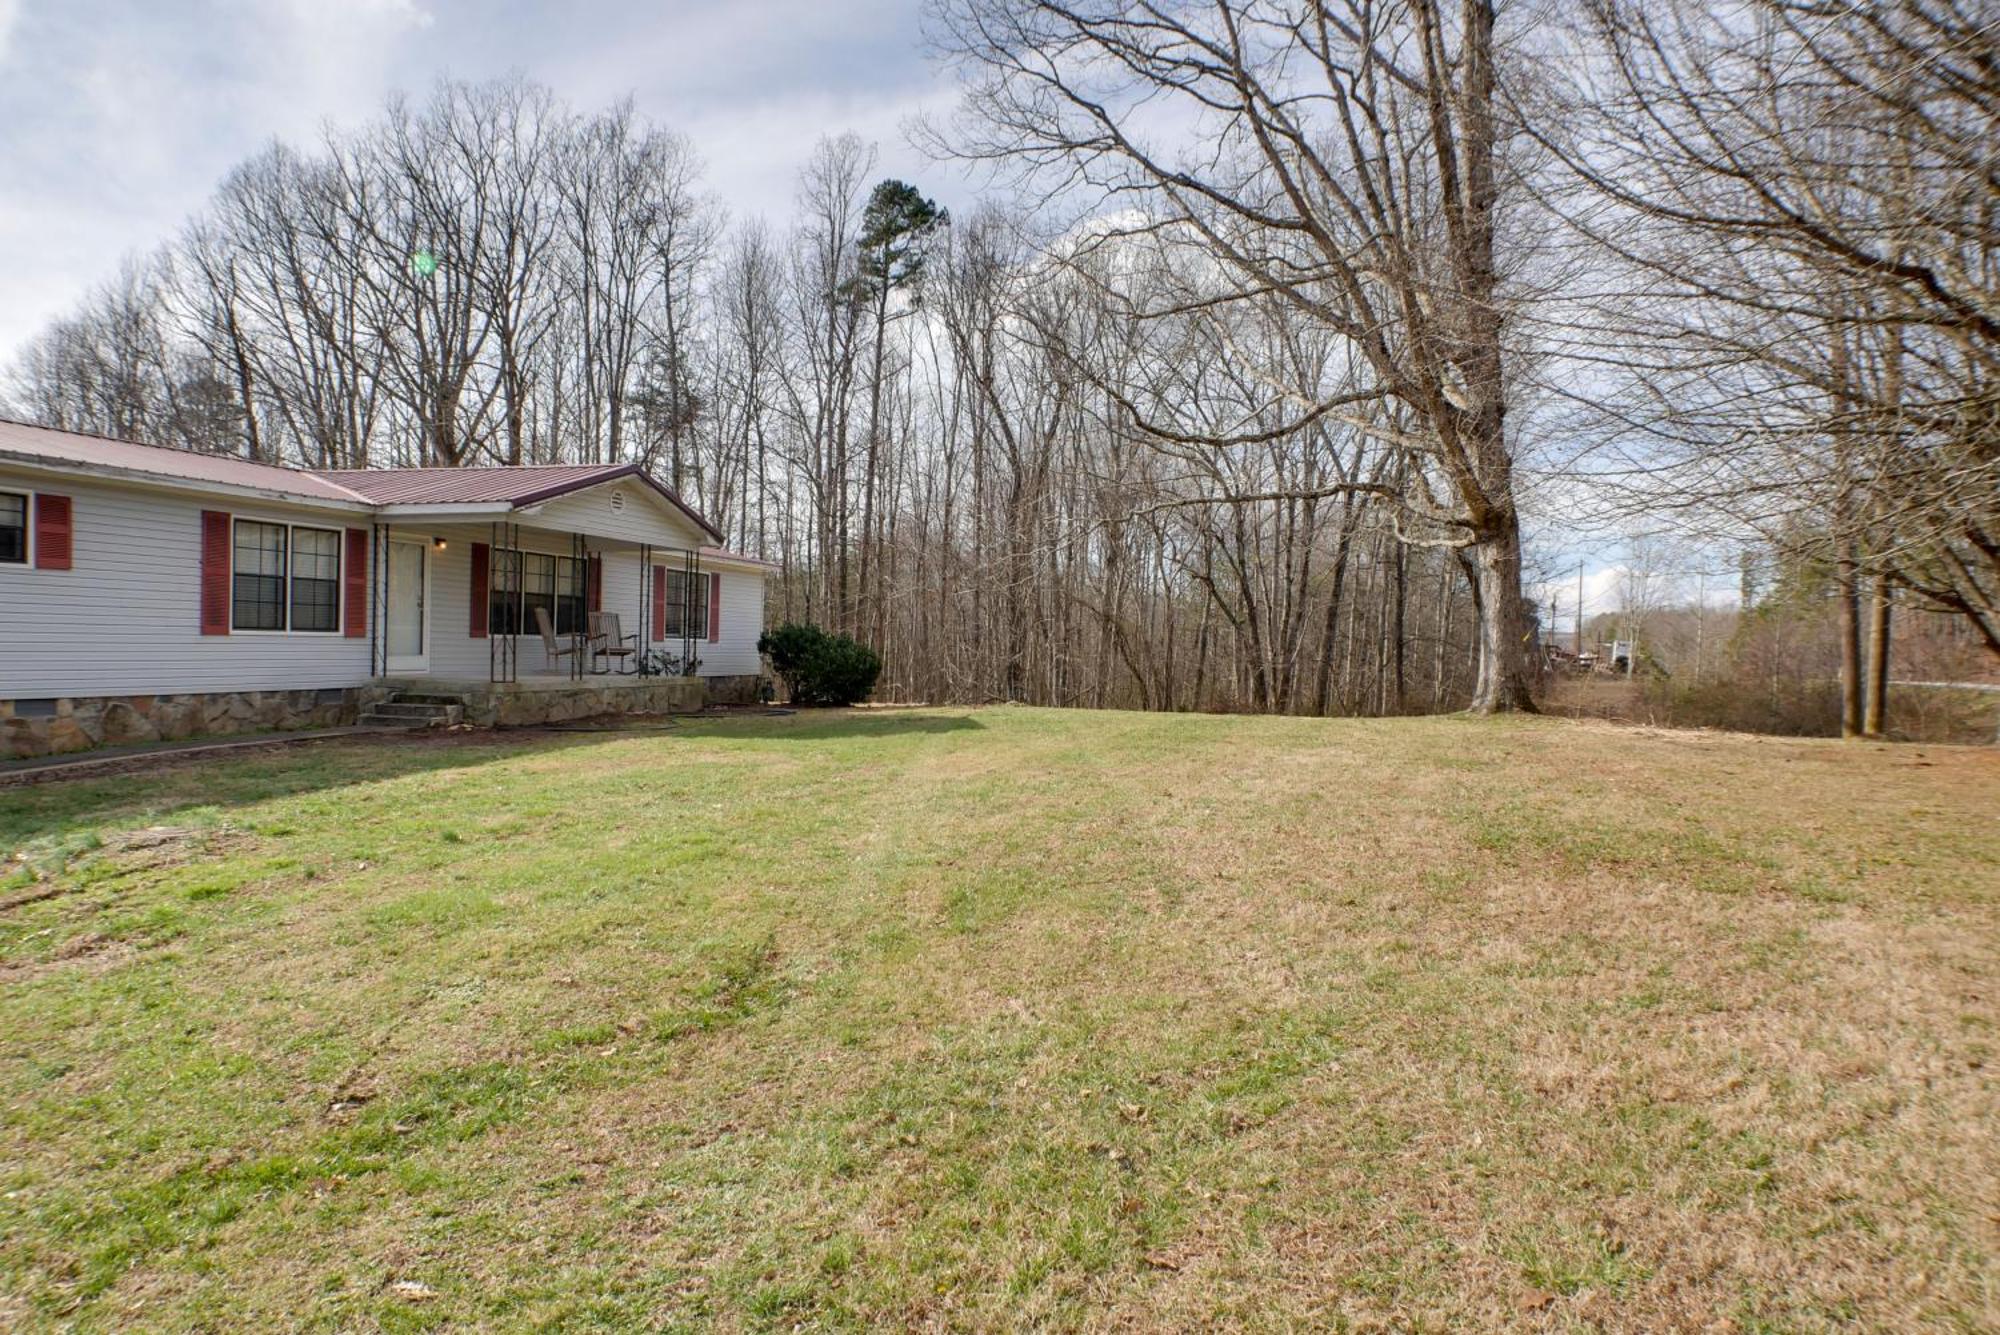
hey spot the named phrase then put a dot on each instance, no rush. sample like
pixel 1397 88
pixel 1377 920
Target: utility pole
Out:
pixel 1700 608
pixel 1579 609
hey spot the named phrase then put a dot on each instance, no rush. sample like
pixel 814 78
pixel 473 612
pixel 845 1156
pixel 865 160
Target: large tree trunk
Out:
pixel 1399 607
pixel 865 614
pixel 1875 704
pixel 1850 642
pixel 1330 638
pixel 1504 681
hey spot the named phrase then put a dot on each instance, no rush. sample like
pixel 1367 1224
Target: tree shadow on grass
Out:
pixel 155 789
pixel 833 724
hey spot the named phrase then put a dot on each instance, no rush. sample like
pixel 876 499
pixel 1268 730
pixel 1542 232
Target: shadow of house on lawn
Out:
pixel 154 789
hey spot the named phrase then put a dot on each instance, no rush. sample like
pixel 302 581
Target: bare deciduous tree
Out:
pixel 1345 158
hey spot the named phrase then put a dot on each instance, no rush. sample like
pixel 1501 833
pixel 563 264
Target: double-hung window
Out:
pixel 315 579
pixel 686 614
pixel 524 581
pixel 285 578
pixel 13 528
pixel 503 613
pixel 570 619
pixel 258 598
pixel 538 591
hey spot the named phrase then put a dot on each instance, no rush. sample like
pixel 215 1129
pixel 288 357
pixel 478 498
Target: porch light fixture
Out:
pixel 438 543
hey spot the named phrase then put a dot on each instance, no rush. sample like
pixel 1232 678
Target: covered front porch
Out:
pixel 533 606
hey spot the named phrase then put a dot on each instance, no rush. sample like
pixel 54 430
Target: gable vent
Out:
pixel 617 501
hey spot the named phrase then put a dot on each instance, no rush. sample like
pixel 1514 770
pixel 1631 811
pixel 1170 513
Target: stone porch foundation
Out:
pixel 525 703
pixel 30 728
pixel 745 690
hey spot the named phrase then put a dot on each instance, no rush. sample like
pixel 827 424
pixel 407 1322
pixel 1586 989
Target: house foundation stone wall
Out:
pixel 742 690
pixel 44 727
pixel 510 708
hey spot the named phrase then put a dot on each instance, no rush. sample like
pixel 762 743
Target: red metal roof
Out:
pixel 724 554
pixel 454 486
pixel 72 448
pixel 519 485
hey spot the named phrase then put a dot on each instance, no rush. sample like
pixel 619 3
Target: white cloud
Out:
pixel 115 125
pixel 119 117
pixel 1694 578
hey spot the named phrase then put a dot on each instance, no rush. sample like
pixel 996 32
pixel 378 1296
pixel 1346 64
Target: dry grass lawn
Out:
pixel 1008 1018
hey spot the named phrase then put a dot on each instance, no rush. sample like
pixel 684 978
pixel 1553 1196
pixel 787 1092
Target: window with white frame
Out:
pixel 285 577
pixel 315 579
pixel 570 619
pixel 13 528
pixel 538 591
pixel 687 605
pixel 257 600
pixel 520 582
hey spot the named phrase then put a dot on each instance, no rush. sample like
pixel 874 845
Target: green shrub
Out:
pixel 818 668
pixel 787 648
pixel 840 672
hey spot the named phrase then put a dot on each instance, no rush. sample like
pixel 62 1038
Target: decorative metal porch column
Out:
pixel 503 652
pixel 378 602
pixel 579 623
pixel 645 608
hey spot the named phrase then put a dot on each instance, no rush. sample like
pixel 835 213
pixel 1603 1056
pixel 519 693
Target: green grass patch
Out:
pixel 1003 1019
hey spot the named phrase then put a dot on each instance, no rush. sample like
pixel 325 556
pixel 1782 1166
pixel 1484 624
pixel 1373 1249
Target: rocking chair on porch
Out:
pixel 555 647
pixel 608 640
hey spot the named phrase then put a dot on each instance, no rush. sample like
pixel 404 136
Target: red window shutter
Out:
pixel 593 582
pixel 355 576
pixel 481 583
pixel 214 572
pixel 714 608
pixel 52 532
pixel 659 602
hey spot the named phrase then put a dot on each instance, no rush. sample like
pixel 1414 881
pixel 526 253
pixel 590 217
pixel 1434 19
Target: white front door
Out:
pixel 409 607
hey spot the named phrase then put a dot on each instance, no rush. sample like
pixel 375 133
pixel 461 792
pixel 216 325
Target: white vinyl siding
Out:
pixel 454 653
pixel 126 618
pixel 735 654
pixel 638 514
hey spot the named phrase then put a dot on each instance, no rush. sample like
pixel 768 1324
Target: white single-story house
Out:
pixel 149 592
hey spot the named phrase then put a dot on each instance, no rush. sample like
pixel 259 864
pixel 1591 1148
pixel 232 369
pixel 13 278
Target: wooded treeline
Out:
pixel 889 403
pixel 1798 208
pixel 1242 432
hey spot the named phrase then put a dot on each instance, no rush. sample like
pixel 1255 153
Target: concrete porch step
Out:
pixel 414 709
pixel 371 719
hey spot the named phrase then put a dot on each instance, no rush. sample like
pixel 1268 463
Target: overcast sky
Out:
pixel 119 117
